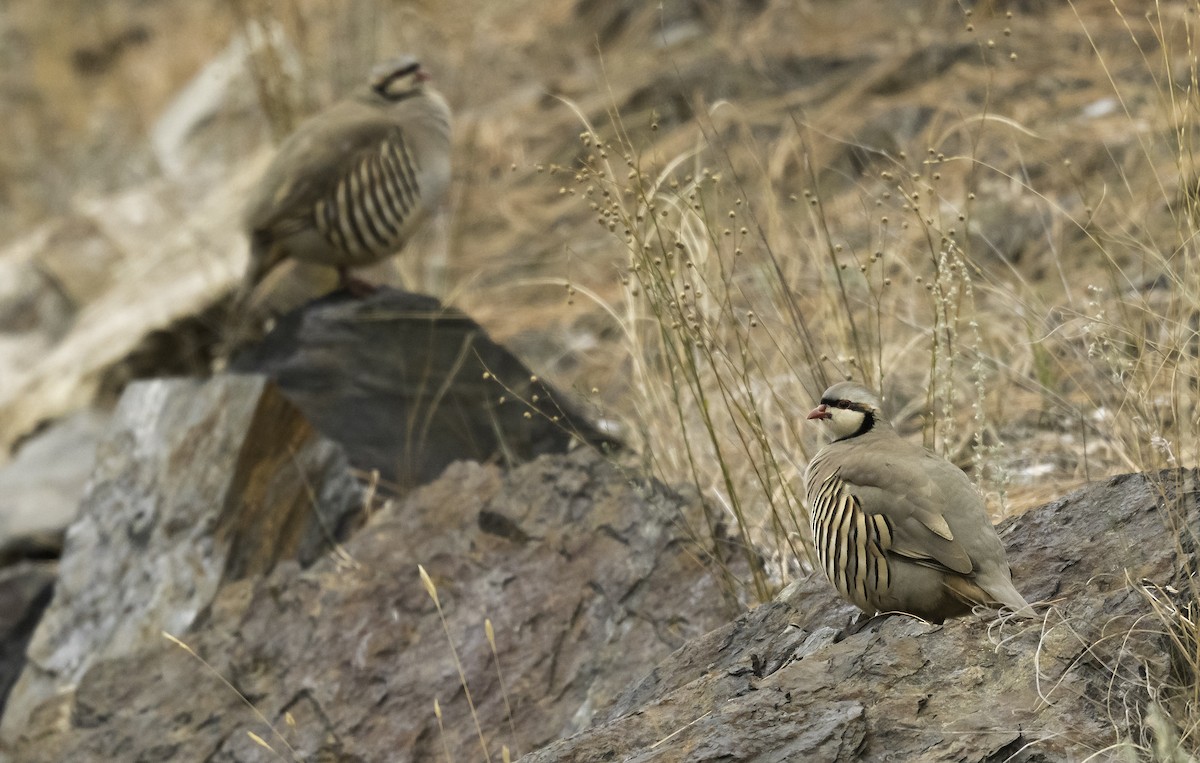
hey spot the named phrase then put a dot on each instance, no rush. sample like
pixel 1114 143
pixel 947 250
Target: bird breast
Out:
pixel 372 208
pixel 850 544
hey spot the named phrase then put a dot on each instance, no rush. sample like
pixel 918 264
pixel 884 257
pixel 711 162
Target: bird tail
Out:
pixel 1005 593
pixel 243 316
pixel 990 591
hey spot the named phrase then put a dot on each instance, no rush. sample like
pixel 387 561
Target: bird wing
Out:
pixel 913 491
pixel 313 160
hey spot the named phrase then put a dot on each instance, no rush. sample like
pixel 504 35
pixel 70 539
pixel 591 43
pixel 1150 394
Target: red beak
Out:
pixel 820 412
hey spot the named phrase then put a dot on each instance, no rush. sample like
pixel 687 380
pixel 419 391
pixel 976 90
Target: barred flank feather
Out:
pixel 365 213
pixel 850 544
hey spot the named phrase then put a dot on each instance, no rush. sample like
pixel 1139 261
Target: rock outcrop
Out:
pixel 587 575
pixel 782 684
pixel 196 485
pixel 229 514
pixel 429 386
pixel 612 635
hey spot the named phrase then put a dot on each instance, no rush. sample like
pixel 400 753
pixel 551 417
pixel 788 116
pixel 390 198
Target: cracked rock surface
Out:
pixel 197 485
pixel 588 577
pixel 781 684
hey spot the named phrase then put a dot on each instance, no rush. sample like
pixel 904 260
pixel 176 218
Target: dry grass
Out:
pixel 991 289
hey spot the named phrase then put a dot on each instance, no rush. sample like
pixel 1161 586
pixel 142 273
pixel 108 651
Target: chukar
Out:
pixel 897 528
pixel 350 185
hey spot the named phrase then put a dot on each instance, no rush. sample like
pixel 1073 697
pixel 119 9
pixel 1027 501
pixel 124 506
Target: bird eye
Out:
pixel 843 404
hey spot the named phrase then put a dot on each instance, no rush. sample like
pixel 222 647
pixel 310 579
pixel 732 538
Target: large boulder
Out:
pixel 428 386
pixel 588 576
pixel 196 484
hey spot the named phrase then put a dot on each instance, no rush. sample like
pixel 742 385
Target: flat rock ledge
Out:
pixel 781 683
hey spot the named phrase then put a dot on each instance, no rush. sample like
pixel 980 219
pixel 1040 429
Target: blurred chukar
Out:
pixel 350 185
pixel 899 529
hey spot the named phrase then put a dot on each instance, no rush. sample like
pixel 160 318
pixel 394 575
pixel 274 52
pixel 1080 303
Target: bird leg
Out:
pixel 863 620
pixel 358 288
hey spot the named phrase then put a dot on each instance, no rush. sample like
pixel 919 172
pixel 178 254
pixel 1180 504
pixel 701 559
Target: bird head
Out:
pixel 847 410
pixel 398 78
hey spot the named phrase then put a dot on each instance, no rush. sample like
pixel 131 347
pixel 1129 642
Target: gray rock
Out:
pixel 41 487
pixel 196 484
pixel 590 580
pixel 156 270
pixel 588 577
pixel 773 686
pixel 428 388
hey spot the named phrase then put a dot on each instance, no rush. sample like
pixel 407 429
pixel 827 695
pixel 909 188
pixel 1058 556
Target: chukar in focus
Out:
pixel 897 528
pixel 350 185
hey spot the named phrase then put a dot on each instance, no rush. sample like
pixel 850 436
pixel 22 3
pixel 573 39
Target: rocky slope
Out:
pixel 197 618
pixel 198 524
pixel 781 682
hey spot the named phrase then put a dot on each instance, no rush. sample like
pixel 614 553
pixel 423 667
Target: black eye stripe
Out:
pixel 400 73
pixel 384 78
pixel 845 405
